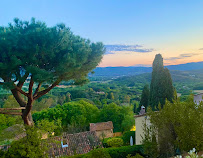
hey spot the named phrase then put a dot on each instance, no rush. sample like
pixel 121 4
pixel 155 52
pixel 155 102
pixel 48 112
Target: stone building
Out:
pixel 102 129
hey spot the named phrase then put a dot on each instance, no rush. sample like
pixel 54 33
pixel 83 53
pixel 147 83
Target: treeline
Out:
pixel 75 116
pixel 183 81
pixel 98 93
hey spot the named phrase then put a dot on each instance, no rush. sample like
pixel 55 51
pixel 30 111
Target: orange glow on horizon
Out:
pixel 126 59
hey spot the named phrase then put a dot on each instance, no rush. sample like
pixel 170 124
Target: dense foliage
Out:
pixel 179 126
pixel 126 137
pixel 6 121
pixel 121 116
pixel 115 142
pixel 42 55
pixel 115 152
pixel 161 87
pixel 75 116
pixel 28 147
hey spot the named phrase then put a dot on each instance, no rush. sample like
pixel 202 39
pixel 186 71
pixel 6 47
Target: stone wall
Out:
pixel 106 133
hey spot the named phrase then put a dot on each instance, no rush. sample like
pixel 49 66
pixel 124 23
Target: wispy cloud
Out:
pixel 112 49
pixel 182 56
pixel 201 49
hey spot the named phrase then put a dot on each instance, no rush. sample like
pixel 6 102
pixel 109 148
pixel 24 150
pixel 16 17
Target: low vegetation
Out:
pixel 114 152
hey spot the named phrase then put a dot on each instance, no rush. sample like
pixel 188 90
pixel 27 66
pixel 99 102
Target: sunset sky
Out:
pixel 138 29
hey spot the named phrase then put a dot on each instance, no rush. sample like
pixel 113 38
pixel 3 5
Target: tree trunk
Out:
pixel 26 114
pixel 28 119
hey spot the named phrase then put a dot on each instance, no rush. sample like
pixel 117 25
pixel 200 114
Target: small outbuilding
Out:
pixel 102 129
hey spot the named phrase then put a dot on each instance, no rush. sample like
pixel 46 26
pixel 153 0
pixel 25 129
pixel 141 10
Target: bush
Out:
pixel 2 153
pixel 115 142
pixel 124 151
pixel 179 128
pixel 126 137
pixel 99 153
pixel 104 142
pixel 136 156
pixel 27 147
pixel 114 152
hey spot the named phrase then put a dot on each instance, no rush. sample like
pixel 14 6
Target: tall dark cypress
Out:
pixel 161 87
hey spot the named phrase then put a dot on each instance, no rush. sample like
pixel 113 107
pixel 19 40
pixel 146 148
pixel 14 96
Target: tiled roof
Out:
pixel 78 143
pixel 101 126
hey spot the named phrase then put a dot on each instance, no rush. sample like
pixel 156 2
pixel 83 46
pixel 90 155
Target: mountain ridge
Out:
pixel 128 71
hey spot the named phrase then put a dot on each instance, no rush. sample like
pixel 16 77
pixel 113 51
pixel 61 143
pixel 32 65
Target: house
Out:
pixel 102 129
pixel 72 144
pixel 141 120
pixel 198 98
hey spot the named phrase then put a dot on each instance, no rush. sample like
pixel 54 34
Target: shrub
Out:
pixel 114 152
pixel 136 156
pixel 99 153
pixel 104 142
pixel 115 142
pixel 179 128
pixel 123 151
pixel 126 137
pixel 2 153
pixel 27 147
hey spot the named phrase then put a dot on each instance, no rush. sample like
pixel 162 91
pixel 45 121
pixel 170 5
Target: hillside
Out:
pixel 184 81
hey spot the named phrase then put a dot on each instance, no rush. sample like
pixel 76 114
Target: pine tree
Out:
pixel 161 87
pixel 42 55
pixel 145 97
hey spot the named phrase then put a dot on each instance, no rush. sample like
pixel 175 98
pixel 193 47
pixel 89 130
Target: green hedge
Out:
pixel 115 152
pixel 123 151
pixel 115 142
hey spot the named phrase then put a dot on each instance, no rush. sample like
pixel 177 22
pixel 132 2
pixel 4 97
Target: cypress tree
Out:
pixel 161 87
pixel 145 96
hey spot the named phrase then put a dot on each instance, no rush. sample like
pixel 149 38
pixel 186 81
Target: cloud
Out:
pixel 182 56
pixel 112 49
pixel 201 49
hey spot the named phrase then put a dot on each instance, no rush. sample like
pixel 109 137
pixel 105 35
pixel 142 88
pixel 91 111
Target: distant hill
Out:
pixel 116 72
pixel 184 81
pixel 120 71
pixel 187 66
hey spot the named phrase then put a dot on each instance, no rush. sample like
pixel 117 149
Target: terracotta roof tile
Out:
pixel 78 143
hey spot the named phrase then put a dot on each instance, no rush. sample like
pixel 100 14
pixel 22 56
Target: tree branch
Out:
pixel 5 109
pixel 30 87
pixel 21 91
pixel 41 93
pixel 37 89
pixel 18 97
pixel 20 83
pixel 11 113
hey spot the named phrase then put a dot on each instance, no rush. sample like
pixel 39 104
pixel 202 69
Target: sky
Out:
pixel 133 31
